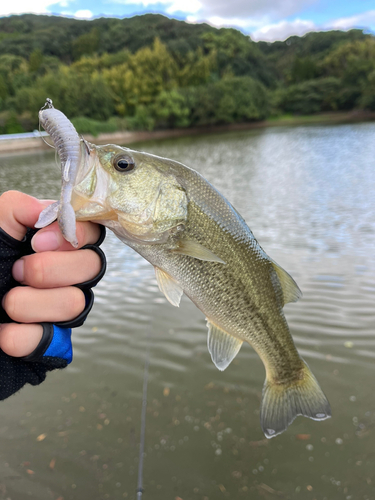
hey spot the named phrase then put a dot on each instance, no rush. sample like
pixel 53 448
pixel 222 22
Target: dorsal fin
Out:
pixel 291 292
pixel 171 289
pixel 222 346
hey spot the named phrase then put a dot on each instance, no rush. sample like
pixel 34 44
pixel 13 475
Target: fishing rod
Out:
pixel 143 427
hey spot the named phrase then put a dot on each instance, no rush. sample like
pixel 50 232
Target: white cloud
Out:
pixel 236 22
pixel 83 14
pixel 363 20
pixel 283 29
pixel 170 6
pixel 190 6
pixel 254 9
pixel 251 10
pixel 25 6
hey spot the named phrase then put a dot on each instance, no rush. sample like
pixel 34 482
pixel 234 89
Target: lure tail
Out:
pixel 283 402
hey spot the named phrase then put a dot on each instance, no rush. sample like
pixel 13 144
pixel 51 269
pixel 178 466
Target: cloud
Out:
pixel 270 9
pixel 363 20
pixel 248 10
pixel 238 22
pixel 283 29
pixel 25 6
pixel 190 6
pixel 84 14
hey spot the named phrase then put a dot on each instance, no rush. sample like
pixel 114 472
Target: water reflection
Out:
pixel 307 194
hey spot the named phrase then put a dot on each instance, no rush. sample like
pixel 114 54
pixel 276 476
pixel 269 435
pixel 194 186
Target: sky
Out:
pixel 268 20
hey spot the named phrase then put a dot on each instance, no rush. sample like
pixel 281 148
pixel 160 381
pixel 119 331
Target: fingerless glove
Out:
pixel 55 348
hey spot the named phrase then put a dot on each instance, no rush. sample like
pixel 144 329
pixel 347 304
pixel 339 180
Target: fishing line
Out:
pixel 143 426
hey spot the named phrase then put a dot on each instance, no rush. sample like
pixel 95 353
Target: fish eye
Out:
pixel 124 164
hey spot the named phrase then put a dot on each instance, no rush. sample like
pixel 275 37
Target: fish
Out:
pixel 201 246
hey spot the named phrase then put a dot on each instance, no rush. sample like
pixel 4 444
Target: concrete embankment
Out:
pixel 33 142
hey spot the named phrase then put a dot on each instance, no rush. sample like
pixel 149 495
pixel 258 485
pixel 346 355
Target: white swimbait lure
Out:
pixel 67 143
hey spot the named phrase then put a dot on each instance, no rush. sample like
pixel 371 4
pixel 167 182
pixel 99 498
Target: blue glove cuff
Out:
pixel 61 344
pixel 55 343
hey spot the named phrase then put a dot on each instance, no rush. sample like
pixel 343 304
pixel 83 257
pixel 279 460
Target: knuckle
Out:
pixel 93 264
pixel 9 195
pixel 7 198
pixel 81 234
pixel 8 341
pixel 75 303
pixel 87 233
pixel 10 303
pixel 35 270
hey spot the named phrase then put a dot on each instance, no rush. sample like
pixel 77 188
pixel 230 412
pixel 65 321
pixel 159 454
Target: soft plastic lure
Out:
pixel 67 144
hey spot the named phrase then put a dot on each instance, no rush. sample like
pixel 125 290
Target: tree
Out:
pixel 138 81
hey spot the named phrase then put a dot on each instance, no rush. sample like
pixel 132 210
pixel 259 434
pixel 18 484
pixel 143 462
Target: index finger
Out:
pixel 50 238
pixel 18 211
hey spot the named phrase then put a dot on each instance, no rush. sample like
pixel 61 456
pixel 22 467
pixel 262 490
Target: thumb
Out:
pixel 18 211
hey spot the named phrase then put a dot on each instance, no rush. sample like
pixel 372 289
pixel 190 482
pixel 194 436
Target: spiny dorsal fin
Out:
pixel 222 346
pixel 291 292
pixel 196 250
pixel 171 289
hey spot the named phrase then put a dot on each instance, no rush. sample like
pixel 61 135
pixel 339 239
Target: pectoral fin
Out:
pixel 222 346
pixel 171 289
pixel 196 250
pixel 291 292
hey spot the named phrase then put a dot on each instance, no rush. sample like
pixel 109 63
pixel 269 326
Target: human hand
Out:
pixel 47 276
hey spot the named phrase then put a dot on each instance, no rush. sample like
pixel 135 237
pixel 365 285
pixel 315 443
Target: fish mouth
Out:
pixel 91 189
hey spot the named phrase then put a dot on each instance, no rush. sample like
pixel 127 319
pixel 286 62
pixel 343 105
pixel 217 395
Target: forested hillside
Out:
pixel 151 72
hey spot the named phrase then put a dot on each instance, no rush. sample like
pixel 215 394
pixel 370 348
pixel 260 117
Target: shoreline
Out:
pixel 36 144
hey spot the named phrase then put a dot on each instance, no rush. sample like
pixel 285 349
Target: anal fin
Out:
pixel 171 289
pixel 222 346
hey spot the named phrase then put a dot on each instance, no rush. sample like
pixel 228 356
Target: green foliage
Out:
pixel 367 100
pixel 303 68
pixel 308 97
pixel 3 88
pixel 12 125
pixel 352 61
pixel 231 100
pixel 137 82
pixel 150 72
pixel 35 60
pixel 86 44
pixel 86 125
pixel 141 120
pixel 75 94
pixel 170 110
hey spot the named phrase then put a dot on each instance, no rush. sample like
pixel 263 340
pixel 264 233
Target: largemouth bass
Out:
pixel 201 246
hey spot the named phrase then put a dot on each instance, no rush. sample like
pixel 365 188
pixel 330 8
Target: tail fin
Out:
pixel 282 403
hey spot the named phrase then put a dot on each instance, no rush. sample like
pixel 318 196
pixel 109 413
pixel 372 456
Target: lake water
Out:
pixel 308 194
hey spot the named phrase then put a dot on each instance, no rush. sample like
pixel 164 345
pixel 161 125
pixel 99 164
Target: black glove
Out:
pixel 55 348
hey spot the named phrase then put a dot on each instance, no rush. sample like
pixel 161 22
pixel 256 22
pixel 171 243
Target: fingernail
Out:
pixel 46 241
pixel 18 270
